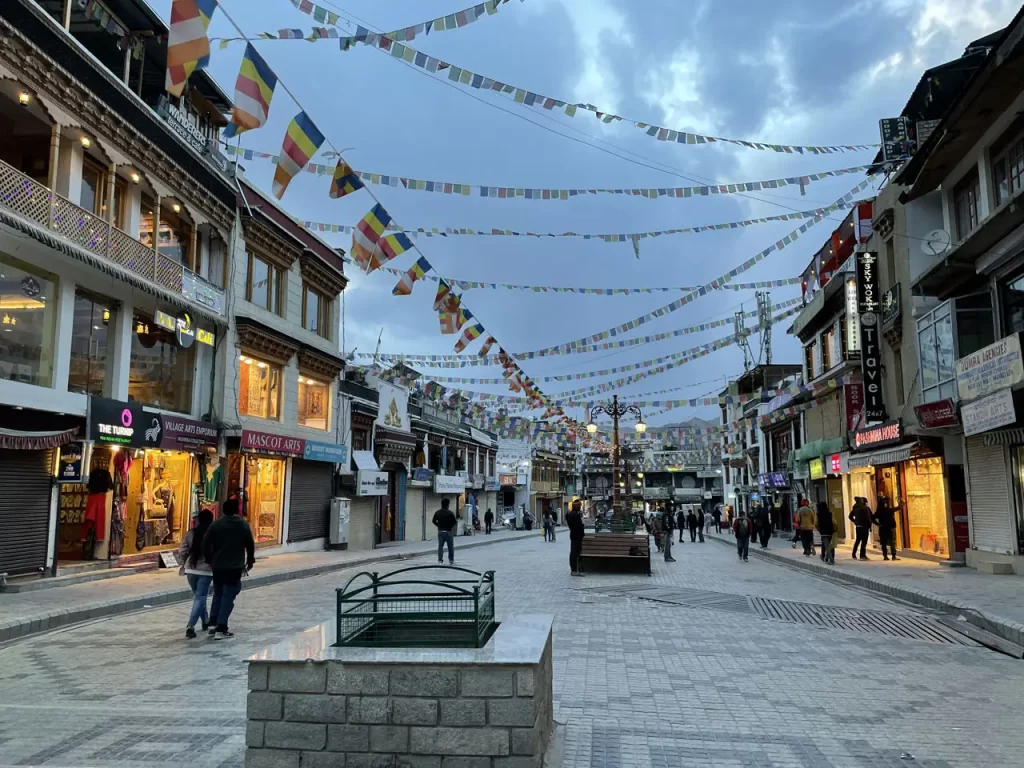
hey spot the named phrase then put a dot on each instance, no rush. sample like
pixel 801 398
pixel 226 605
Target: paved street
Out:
pixel 692 678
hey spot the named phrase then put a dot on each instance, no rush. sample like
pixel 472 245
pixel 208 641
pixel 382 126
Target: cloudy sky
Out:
pixel 798 72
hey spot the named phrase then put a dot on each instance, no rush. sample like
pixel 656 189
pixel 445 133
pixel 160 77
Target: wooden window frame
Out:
pixel 1009 154
pixel 323 311
pixel 968 190
pixel 275 285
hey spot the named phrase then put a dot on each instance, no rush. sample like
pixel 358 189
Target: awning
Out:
pixel 364 460
pixel 1005 437
pixel 480 437
pixel 892 455
pixel 13 439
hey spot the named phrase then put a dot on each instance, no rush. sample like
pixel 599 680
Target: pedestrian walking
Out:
pixel 574 521
pixel 806 522
pixel 656 530
pixel 827 529
pixel 741 529
pixel 691 523
pixel 230 549
pixel 764 526
pixel 716 515
pixel 885 519
pixel 667 524
pixel 197 572
pixel 701 517
pixel 444 520
pixel 488 520
pixel 860 516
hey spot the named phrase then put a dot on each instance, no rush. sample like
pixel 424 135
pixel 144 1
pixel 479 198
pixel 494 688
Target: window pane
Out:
pixel 1013 301
pixel 1000 182
pixel 92 188
pixel 28 313
pixel 146 220
pixel 259 388
pixel 274 304
pixel 314 403
pixel 91 324
pixel 260 283
pixel 312 319
pixel 944 348
pixel 929 364
pixel 160 372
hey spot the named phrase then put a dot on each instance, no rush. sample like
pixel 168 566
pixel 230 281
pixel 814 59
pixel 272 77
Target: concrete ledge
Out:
pixel 1004 628
pixel 23 626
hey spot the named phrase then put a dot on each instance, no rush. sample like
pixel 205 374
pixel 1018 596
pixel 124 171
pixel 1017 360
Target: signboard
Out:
pixel 878 435
pixel 182 123
pixel 852 326
pixel 169 560
pixel 69 469
pixel 891 305
pixel 492 484
pixel 708 472
pixel 835 464
pixel 393 410
pixel 114 422
pixel 941 413
pixel 329 452
pixel 421 477
pixel 925 128
pixel 816 467
pixel 180 434
pixel 478 481
pixel 995 367
pixel 707 494
pixel 194 288
pixel 264 442
pixel 688 493
pixel 854 395
pixel 371 483
pixel 989 412
pixel 481 437
pixel 504 479
pixel 868 306
pixel 449 484
pixel 437 414
pixel 897 138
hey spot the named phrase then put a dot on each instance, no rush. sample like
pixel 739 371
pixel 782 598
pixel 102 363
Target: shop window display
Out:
pixel 264 494
pixel 314 400
pixel 259 388
pixel 926 506
pixel 161 372
pixel 28 314
pixel 159 501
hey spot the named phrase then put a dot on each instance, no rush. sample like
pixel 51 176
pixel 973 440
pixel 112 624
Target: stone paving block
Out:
pixel 414 711
pixel 321 760
pixel 305 736
pixel 389 738
pixel 370 761
pixel 271 758
pixel 524 682
pixel 292 678
pixel 520 712
pixel 417 761
pixel 463 712
pixel 261 705
pixel 314 708
pixel 258 674
pixel 424 682
pixel 348 738
pixel 254 733
pixel 369 709
pixel 466 762
pixel 487 683
pixel 524 741
pixel 458 741
pixel 358 680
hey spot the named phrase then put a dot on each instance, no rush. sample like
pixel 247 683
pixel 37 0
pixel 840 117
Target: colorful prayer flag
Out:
pixel 187 42
pixel 388 248
pixel 254 89
pixel 443 291
pixel 469 335
pixel 416 272
pixel 463 316
pixel 450 314
pixel 366 236
pixel 345 180
pixel 301 142
pixel 487 346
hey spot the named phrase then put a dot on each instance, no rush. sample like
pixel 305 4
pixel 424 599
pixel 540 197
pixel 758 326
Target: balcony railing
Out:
pixel 38 204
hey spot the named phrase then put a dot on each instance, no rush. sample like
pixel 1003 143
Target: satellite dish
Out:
pixel 936 242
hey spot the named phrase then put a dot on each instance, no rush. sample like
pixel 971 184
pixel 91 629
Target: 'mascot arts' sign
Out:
pixel 264 442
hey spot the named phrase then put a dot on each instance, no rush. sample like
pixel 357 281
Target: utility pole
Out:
pixel 741 337
pixel 764 320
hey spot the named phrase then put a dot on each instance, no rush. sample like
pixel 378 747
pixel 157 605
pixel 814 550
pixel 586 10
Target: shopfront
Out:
pixel 420 481
pixel 312 487
pixel 259 469
pixel 394 446
pixel 371 489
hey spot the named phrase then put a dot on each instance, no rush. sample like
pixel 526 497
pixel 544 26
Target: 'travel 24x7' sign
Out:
pixel 869 306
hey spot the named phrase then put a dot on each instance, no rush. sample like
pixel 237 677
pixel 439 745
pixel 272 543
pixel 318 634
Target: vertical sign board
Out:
pixel 868 307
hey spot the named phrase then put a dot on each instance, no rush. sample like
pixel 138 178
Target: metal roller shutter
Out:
pixel 310 506
pixel 989 496
pixel 415 498
pixel 26 481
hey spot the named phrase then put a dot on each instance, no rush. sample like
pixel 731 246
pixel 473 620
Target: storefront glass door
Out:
pixel 925 509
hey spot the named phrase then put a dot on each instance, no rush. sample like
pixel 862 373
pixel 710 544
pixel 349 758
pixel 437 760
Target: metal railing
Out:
pixel 39 204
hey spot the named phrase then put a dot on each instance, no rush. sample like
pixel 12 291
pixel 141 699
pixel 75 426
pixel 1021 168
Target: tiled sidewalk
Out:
pixel 25 613
pixel 993 603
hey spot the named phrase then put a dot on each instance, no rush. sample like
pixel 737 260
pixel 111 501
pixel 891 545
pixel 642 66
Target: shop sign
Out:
pixel 183 327
pixel 114 422
pixel 708 472
pixel 707 494
pixel 480 437
pixel 438 414
pixel 264 442
pixel 897 141
pixel 371 483
pixel 329 452
pixel 195 289
pixel 990 412
pixel 868 307
pixel 879 435
pixel 997 366
pixel 70 464
pixel 687 493
pixel 852 328
pixel 854 394
pixel 185 434
pixel 506 479
pixel 835 464
pixel 817 468
pixel 478 481
pixel 891 305
pixel 492 484
pixel 421 477
pixel 941 413
pixel 393 412
pixel 449 484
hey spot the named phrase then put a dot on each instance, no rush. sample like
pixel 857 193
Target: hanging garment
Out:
pixel 96 514
pixel 212 489
pixel 117 527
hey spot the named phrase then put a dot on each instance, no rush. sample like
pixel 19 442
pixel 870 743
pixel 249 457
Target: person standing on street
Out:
pixel 764 526
pixel 444 520
pixel 741 528
pixel 860 516
pixel 488 520
pixel 827 529
pixel 667 525
pixel 574 521
pixel 230 550
pixel 691 523
pixel 716 515
pixel 885 519
pixel 700 524
pixel 197 571
pixel 806 522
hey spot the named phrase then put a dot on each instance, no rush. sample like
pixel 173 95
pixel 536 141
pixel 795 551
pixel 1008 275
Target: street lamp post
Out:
pixel 616 411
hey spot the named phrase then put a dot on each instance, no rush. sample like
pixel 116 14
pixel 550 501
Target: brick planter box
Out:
pixel 314 705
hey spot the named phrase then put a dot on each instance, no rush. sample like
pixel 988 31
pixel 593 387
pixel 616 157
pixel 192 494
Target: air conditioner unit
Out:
pixel 341 514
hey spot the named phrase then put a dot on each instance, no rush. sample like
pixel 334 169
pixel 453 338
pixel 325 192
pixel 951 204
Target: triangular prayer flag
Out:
pixel 254 90
pixel 301 142
pixel 416 272
pixel 388 248
pixel 487 346
pixel 469 335
pixel 366 235
pixel 187 41
pixel 345 180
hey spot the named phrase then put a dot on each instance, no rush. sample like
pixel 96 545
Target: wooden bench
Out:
pixel 616 551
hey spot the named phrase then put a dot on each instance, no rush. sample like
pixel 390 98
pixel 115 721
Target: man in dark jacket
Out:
pixel 700 523
pixel 691 524
pixel 764 525
pixel 827 529
pixel 574 522
pixel 445 522
pixel 230 550
pixel 667 524
pixel 488 519
pixel 885 519
pixel 860 516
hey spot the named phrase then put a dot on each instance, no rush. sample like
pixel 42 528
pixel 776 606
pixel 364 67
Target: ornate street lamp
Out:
pixel 616 411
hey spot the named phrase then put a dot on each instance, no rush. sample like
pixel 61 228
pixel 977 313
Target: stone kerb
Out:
pixel 403 708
